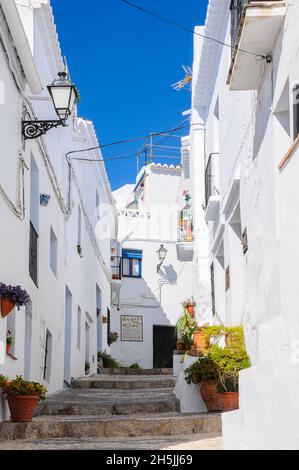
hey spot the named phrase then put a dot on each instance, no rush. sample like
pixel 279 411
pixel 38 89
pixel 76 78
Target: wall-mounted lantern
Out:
pixel 162 253
pixel 64 95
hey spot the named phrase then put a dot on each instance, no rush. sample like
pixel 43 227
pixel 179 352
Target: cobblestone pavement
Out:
pixel 187 442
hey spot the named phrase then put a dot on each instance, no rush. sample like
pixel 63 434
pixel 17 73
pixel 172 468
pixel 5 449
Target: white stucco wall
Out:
pixel 81 275
pixel 156 296
pixel 252 142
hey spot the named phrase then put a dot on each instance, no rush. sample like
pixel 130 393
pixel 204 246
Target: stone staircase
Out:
pixel 109 405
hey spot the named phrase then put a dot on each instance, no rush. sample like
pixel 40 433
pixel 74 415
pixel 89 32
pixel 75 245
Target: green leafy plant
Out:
pixel 186 325
pixel 108 361
pixel 9 338
pixel 21 387
pixel 228 362
pixel 203 369
pixel 135 366
pixel 235 336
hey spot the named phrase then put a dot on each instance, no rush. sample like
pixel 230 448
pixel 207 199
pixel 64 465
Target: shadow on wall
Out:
pixel 140 300
pixel 169 273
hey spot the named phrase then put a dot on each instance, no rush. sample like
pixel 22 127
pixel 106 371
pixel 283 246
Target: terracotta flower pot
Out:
pixel 8 348
pixel 229 401
pixel 180 346
pixel 201 341
pixel 210 396
pixel 191 311
pixel 6 306
pixel 22 407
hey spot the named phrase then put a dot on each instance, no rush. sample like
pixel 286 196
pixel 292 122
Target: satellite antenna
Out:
pixel 186 83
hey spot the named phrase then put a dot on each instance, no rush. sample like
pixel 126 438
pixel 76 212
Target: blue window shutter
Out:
pixel 132 254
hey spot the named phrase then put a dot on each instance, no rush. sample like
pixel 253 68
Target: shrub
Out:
pixel 108 361
pixel 203 369
pixel 228 362
pixel 135 366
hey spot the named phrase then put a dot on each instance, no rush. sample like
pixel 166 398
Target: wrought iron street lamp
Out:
pixel 64 96
pixel 162 253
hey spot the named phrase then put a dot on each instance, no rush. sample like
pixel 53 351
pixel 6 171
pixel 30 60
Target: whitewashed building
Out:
pixel 147 296
pixel 58 252
pixel 247 162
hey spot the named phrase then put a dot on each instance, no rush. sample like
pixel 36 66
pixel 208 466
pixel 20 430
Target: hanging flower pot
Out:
pixel 11 297
pixel 7 306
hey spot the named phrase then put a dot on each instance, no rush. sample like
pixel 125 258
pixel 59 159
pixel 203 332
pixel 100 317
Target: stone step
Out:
pixel 125 371
pixel 165 424
pixel 125 382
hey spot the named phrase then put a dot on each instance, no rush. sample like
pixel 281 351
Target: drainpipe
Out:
pixel 22 45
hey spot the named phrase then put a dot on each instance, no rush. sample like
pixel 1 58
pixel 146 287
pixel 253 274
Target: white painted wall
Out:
pixel 263 292
pixel 156 296
pixel 80 274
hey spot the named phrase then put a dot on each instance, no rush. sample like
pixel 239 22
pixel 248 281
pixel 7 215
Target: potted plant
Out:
pixel 204 373
pixel 201 340
pixel 180 345
pixel 190 305
pixel 11 297
pixel 112 337
pixel 228 362
pixel 22 397
pixel 104 319
pixel 9 341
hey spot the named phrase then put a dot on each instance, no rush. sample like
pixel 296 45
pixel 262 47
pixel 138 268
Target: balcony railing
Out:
pixel 185 227
pixel 116 268
pixel 236 8
pixel 211 179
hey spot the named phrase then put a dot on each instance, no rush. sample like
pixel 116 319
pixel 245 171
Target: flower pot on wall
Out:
pixel 8 348
pixel 7 306
pixel 191 311
pixel 229 401
pixel 201 341
pixel 210 396
pixel 22 407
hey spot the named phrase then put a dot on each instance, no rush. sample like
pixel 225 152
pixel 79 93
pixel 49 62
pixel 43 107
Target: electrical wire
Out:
pixel 185 28
pixel 126 141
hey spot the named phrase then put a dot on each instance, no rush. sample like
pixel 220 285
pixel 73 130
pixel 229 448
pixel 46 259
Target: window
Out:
pixel 79 321
pixel 97 205
pixel 213 289
pixel 79 239
pixel 34 221
pixel 227 278
pixel 33 255
pixel 132 263
pixel 48 357
pixel 53 251
pixel 245 241
pixel 296 111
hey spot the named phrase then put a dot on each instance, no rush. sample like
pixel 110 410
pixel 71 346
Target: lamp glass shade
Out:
pixel 162 253
pixel 64 96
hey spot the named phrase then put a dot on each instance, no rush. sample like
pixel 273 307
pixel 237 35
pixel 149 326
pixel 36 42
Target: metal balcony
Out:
pixel 255 25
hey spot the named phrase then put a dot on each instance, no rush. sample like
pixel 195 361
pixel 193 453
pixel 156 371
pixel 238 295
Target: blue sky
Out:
pixel 124 63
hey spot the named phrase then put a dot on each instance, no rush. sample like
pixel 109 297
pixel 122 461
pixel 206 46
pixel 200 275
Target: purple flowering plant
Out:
pixel 15 293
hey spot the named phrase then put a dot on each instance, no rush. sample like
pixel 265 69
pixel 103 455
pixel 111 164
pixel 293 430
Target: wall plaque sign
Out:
pixel 131 328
